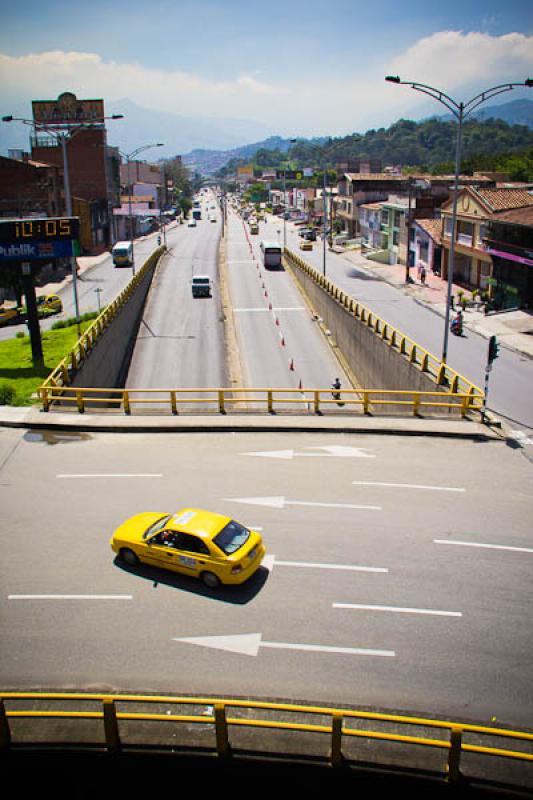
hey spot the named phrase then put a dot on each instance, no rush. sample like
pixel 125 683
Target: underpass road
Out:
pixel 280 344
pixel 181 338
pixel 393 579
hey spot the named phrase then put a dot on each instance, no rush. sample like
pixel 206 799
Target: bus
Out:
pixel 271 254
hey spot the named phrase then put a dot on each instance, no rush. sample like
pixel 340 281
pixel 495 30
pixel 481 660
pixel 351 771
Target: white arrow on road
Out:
pixel 248 644
pixel 281 502
pixel 334 451
pixel 269 561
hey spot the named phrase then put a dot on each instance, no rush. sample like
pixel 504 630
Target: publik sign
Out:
pixel 29 251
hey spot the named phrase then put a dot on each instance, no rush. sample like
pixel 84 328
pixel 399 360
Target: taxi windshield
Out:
pixel 156 526
pixel 231 537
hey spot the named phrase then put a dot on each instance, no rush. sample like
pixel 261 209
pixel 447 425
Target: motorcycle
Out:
pixel 456 326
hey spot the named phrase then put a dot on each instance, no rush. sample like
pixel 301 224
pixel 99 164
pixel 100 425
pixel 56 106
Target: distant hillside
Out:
pixel 517 112
pixel 207 162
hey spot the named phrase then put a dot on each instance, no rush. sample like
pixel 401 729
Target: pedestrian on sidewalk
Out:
pixel 423 276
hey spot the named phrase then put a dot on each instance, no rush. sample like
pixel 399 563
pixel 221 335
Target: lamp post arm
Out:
pixel 488 95
pixel 436 94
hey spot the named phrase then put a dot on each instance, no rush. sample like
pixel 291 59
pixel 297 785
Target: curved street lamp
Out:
pixel 129 158
pixel 62 136
pixel 460 111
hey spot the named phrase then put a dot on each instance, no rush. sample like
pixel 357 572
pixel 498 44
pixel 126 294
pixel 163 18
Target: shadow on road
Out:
pixel 236 595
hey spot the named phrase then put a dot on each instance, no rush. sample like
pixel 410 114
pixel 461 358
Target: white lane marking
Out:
pixel 409 486
pixel 399 610
pixel 488 546
pixel 70 597
pixel 111 475
pixel 249 643
pixel 270 561
pixel 332 451
pixel 280 502
pixel 275 308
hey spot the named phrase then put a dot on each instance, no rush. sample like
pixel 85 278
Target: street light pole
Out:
pixel 460 111
pixel 129 158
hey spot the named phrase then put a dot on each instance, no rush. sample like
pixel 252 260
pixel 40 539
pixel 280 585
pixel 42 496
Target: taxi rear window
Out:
pixel 231 537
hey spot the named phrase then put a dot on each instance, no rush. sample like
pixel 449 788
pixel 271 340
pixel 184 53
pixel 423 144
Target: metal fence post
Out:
pixel 5 734
pixel 336 740
pixel 112 737
pixel 221 730
pixel 454 757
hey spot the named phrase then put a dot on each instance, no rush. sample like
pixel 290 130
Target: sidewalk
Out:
pixel 514 329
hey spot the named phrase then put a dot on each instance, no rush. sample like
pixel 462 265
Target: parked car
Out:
pixel 46 306
pixel 8 315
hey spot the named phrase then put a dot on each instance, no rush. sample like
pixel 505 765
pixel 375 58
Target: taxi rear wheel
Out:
pixel 129 557
pixel 210 579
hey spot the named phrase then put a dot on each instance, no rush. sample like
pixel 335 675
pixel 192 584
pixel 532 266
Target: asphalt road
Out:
pixel 280 344
pixel 412 597
pixel 181 338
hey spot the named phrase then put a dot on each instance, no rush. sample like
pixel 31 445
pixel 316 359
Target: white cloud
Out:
pixel 46 75
pixel 359 98
pixel 451 60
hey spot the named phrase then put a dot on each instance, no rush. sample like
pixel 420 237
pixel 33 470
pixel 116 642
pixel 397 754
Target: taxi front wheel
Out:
pixel 210 579
pixel 129 557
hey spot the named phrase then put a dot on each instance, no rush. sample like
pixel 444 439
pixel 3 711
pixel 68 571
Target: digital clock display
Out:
pixel 48 229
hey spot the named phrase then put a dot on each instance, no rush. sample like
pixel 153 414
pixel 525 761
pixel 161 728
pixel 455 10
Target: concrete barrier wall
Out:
pixel 107 364
pixel 372 360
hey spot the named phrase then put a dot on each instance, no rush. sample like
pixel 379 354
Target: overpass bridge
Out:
pixel 386 370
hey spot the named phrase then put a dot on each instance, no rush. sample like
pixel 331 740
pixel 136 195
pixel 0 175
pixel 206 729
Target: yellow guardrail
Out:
pixel 217 400
pixel 339 725
pixel 60 375
pixel 443 374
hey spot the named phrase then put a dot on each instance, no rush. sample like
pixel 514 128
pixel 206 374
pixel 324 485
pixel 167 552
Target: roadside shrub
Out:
pixel 7 394
pixel 66 323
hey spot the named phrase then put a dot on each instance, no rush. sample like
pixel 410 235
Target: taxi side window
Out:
pixel 191 544
pixel 166 538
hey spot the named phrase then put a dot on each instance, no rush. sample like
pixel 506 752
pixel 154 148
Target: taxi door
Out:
pixel 192 555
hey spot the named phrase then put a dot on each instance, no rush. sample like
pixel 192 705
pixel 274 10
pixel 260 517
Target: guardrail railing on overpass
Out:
pixel 340 726
pixel 442 373
pixel 217 400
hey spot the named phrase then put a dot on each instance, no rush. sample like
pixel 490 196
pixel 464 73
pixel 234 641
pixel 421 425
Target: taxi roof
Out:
pixel 205 524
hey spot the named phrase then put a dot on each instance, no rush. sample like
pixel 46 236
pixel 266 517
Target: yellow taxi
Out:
pixel 306 245
pixel 8 315
pixel 47 304
pixel 209 546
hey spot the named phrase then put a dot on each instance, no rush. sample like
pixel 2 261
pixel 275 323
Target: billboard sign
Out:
pixel 67 110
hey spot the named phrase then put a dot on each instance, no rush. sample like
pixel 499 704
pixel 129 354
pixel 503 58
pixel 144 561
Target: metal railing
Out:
pixel 426 362
pixel 340 726
pixel 258 400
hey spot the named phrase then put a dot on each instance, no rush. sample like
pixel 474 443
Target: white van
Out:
pixel 122 253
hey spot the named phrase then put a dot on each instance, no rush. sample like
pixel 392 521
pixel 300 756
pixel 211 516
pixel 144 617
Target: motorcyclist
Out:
pixel 336 385
pixel 457 323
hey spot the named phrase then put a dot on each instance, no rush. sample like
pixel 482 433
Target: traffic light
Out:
pixel 494 349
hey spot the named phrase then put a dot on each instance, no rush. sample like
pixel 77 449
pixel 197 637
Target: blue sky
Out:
pixel 303 68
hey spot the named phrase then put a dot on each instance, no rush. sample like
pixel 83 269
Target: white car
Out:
pixel 191 223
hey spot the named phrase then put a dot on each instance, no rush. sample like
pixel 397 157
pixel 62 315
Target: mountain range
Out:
pixel 208 143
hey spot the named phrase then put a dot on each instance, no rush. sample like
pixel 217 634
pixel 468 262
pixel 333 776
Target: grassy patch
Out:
pixel 19 379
